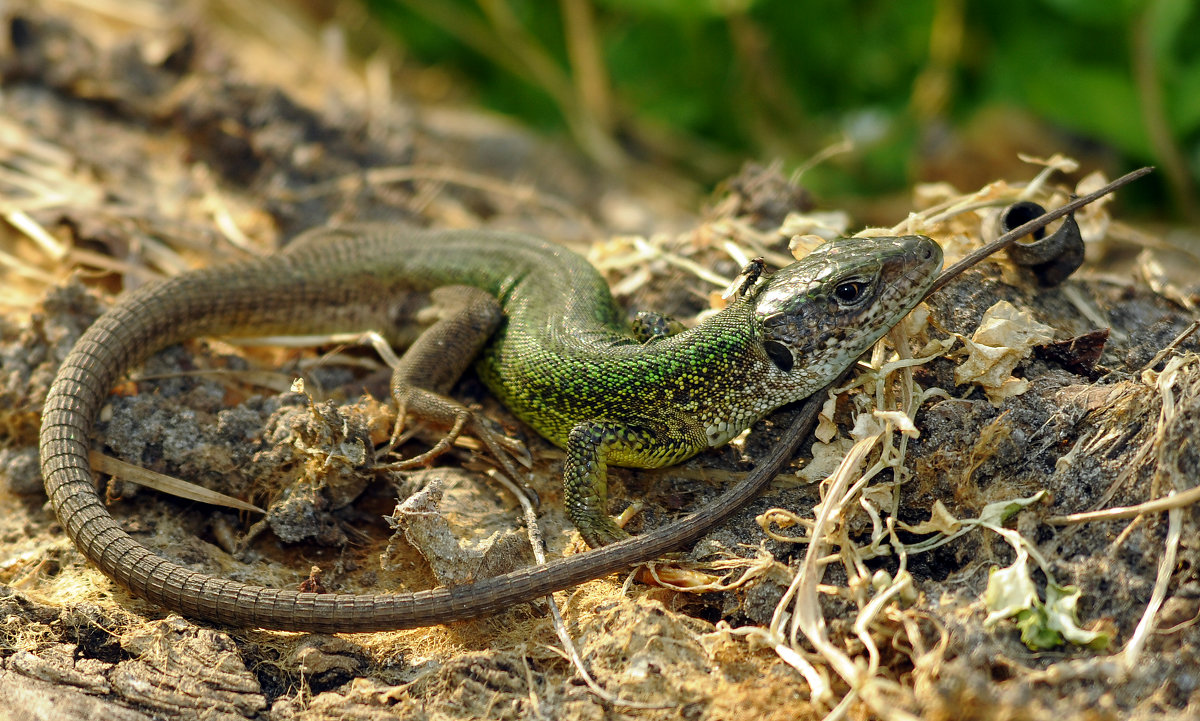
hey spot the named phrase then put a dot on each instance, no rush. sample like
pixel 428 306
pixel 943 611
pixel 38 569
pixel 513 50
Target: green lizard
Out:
pixel 550 343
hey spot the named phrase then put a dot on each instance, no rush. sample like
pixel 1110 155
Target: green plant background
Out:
pixel 700 84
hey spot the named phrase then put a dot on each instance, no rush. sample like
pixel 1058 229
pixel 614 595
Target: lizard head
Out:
pixel 820 313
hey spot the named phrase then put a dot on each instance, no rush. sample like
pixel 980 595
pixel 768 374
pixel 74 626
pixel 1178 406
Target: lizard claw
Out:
pixel 513 447
pixel 504 450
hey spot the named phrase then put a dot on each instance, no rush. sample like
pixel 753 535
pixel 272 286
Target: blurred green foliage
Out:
pixel 701 83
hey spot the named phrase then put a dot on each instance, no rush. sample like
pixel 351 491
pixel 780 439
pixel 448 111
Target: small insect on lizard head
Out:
pixel 826 309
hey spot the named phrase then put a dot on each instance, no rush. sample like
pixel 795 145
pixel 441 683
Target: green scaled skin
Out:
pixel 582 382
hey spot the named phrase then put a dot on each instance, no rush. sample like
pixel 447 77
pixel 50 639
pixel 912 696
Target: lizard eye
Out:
pixel 850 292
pixel 779 355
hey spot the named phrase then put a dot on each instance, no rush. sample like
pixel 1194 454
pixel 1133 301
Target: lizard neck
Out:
pixel 739 383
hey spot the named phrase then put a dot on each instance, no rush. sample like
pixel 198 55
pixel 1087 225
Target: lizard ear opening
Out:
pixel 780 355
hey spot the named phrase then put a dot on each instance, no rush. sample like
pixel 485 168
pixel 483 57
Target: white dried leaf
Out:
pixel 940 521
pixel 1093 218
pixel 900 420
pixel 1009 591
pixel 826 457
pixel 826 428
pixel 865 426
pixel 1058 161
pixel 927 195
pixel 825 224
pixel 1005 337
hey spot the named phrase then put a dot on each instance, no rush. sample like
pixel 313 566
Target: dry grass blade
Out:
pixel 1169 502
pixel 166 484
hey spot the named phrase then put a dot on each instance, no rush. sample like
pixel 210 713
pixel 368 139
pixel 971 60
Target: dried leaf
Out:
pixel 940 521
pixel 1005 337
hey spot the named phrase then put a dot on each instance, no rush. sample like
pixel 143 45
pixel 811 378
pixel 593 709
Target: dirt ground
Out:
pixel 129 151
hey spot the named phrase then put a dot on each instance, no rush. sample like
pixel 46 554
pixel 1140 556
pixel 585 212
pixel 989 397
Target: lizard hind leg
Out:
pixel 466 317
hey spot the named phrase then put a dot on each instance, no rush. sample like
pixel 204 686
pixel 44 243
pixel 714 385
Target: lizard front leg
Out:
pixel 466 318
pixel 648 326
pixel 592 445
